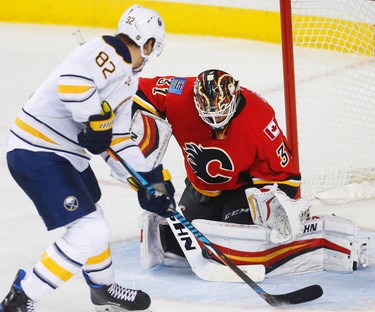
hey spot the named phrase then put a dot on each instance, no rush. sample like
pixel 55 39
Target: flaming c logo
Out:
pixel 210 164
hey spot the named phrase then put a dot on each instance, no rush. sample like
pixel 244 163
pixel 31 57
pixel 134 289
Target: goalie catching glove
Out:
pixel 162 201
pixel 97 136
pixel 273 209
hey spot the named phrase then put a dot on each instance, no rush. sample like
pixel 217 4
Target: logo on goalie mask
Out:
pixel 212 165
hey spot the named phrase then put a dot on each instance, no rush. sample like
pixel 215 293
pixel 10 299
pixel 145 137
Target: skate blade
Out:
pixel 110 308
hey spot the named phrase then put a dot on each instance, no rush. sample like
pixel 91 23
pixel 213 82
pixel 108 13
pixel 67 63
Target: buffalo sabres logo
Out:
pixel 210 164
pixel 71 203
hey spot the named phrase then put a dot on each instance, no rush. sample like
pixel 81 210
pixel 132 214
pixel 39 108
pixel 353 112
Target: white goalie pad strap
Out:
pixel 272 208
pixel 152 135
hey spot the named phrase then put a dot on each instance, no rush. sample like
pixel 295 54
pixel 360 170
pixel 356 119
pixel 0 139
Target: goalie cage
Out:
pixel 329 86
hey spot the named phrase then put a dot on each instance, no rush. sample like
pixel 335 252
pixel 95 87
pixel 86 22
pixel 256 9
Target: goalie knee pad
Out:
pixel 152 252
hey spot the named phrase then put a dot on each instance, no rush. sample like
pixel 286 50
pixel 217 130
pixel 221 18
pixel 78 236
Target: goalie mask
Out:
pixel 140 24
pixel 216 96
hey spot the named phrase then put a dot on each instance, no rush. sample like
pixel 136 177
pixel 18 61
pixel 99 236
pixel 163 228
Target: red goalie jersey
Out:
pixel 253 151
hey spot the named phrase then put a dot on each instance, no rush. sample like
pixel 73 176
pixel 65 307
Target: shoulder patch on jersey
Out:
pixel 272 130
pixel 177 85
pixel 120 47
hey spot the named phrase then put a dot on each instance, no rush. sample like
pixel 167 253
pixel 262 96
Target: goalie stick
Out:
pixel 302 295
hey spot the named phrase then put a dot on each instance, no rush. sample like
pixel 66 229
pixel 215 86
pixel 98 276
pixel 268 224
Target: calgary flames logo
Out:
pixel 210 164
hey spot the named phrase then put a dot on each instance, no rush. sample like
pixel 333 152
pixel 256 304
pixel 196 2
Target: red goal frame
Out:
pixel 289 80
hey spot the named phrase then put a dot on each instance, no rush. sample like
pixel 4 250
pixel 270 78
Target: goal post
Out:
pixel 289 81
pixel 329 86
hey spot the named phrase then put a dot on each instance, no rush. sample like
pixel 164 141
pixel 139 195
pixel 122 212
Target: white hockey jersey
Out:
pixel 54 115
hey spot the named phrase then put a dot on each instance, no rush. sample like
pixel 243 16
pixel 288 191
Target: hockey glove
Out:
pixel 162 202
pixel 97 136
pixel 273 209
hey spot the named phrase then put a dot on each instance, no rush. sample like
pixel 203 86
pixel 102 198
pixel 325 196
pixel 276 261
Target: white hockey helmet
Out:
pixel 216 97
pixel 141 24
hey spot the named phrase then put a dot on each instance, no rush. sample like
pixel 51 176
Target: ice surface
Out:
pixel 28 54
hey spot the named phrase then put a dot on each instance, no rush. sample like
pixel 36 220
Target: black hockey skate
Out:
pixel 116 298
pixel 17 300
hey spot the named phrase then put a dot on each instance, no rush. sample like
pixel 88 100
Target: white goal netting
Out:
pixel 334 54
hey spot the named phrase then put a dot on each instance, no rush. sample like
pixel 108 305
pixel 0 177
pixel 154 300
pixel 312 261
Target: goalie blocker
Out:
pixel 327 243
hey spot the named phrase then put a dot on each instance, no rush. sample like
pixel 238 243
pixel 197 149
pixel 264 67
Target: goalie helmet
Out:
pixel 216 96
pixel 140 24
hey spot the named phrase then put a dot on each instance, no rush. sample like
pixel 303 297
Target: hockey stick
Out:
pixel 299 296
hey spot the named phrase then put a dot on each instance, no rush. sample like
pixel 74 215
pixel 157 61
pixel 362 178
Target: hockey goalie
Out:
pixel 240 187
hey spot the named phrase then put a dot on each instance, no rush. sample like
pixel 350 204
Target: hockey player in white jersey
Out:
pixel 84 107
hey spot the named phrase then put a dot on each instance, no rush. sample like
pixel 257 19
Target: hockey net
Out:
pixel 334 88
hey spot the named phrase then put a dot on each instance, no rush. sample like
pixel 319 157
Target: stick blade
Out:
pixel 299 296
pixel 215 272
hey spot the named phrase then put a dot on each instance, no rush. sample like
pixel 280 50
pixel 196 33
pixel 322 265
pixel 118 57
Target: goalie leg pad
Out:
pixel 328 243
pixel 152 252
pixel 152 249
pixel 343 232
pixel 250 245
